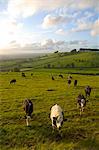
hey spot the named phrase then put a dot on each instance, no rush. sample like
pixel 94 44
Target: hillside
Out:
pixel 56 60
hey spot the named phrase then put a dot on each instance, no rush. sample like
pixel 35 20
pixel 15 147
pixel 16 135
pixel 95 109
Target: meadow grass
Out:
pixel 78 132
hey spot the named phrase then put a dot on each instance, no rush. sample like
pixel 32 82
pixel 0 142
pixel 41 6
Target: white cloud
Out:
pixel 8 30
pixel 82 4
pixel 61 32
pixel 48 42
pixel 25 8
pixel 50 21
pixel 82 26
pixel 95 28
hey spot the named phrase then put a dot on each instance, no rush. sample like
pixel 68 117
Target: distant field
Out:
pixel 68 60
pixel 78 133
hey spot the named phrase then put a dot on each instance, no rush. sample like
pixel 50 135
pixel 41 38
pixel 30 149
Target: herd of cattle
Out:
pixel 56 115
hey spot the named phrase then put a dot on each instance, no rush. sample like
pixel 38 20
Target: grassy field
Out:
pixel 78 133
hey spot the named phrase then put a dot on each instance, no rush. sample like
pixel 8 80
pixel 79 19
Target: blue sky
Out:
pixel 28 26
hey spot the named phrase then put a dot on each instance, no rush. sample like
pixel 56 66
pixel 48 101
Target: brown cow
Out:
pixel 87 90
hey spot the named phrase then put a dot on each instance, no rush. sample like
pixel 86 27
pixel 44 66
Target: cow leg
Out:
pixel 77 105
pixel 27 120
pixel 80 111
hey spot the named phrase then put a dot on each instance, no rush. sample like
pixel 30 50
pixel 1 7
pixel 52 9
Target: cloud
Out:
pixel 78 42
pixel 13 44
pixel 26 8
pixel 95 28
pixel 61 32
pixel 83 4
pixel 82 26
pixel 9 26
pixel 50 21
pixel 48 45
pixel 9 29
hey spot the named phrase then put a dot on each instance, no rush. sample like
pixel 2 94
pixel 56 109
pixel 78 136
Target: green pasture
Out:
pixel 78 132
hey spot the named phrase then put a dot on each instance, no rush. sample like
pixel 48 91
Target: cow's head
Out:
pixel 57 122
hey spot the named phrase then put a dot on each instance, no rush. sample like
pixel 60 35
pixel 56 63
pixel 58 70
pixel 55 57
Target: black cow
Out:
pixel 23 74
pixel 28 107
pixel 53 78
pixel 61 75
pixel 13 81
pixel 75 82
pixel 87 90
pixel 69 82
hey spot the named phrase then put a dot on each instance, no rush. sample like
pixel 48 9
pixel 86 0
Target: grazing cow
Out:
pixel 53 78
pixel 23 74
pixel 56 116
pixel 69 77
pixel 61 75
pixel 81 101
pixel 87 90
pixel 75 82
pixel 13 81
pixel 28 107
pixel 69 82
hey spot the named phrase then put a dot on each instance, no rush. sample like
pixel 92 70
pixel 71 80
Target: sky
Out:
pixel 37 26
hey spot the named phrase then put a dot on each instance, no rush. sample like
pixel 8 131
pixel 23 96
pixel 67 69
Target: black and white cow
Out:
pixel 81 102
pixel 13 81
pixel 56 116
pixel 28 107
pixel 87 90
pixel 69 77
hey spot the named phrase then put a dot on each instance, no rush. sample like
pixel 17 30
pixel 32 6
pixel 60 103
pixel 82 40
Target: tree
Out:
pixel 73 51
pixel 16 69
pixel 49 66
pixel 56 52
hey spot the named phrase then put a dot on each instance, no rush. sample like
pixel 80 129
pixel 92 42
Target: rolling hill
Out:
pixel 54 61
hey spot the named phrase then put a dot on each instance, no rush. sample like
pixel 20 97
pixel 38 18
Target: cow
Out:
pixel 56 116
pixel 53 78
pixel 69 82
pixel 23 74
pixel 60 75
pixel 13 81
pixel 75 83
pixel 81 102
pixel 69 77
pixel 28 108
pixel 87 90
